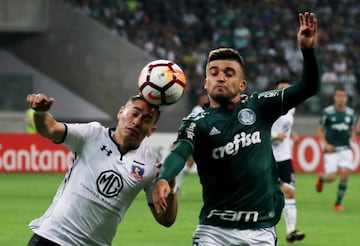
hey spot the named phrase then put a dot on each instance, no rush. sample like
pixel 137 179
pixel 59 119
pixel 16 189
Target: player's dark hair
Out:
pixel 225 54
pixel 156 107
pixel 340 88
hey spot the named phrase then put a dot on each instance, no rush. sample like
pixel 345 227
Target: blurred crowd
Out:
pixel 264 32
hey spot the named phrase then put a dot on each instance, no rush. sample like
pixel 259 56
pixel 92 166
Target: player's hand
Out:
pixel 280 136
pixel 329 148
pixel 307 35
pixel 160 194
pixel 295 137
pixel 39 102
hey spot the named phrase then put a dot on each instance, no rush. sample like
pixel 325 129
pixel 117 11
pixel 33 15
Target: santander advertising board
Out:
pixel 21 152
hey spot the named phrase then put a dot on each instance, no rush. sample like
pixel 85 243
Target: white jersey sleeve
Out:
pixel 98 188
pixel 282 150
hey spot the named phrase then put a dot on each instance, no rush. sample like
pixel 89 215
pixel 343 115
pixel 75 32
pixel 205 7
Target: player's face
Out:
pixel 340 98
pixel 224 81
pixel 136 121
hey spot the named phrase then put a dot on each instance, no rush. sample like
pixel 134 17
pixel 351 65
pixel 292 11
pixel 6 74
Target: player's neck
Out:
pixel 123 147
pixel 224 104
pixel 340 108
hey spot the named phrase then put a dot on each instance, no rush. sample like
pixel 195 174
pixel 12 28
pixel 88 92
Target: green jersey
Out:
pixel 233 153
pixel 338 125
pixel 240 145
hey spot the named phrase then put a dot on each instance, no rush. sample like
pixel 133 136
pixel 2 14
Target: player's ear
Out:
pixel 121 110
pixel 242 85
pixel 205 84
pixel 151 131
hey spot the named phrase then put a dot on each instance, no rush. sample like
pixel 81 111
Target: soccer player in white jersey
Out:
pixel 283 138
pixel 110 167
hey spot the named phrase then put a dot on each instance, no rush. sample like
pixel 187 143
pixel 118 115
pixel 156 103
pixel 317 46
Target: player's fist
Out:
pixel 39 102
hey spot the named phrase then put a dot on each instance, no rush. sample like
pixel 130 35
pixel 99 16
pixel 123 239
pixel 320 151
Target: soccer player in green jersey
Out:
pixel 231 144
pixel 335 131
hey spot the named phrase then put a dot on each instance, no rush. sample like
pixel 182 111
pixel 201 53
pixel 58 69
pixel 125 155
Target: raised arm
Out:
pixel 45 123
pixel 307 34
pixel 310 80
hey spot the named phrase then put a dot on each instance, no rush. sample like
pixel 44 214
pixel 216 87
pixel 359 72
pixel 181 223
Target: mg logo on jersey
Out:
pixel 109 183
pixel 230 215
pixel 241 140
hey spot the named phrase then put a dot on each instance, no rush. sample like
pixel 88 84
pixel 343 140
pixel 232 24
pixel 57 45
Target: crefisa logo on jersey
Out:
pixel 246 116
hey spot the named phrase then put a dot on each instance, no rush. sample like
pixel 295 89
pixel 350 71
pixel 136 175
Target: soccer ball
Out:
pixel 162 82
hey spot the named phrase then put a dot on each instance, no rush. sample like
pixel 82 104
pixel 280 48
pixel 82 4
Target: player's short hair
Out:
pixel 225 54
pixel 340 88
pixel 153 106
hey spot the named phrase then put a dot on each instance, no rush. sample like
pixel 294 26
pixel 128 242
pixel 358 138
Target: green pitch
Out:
pixel 26 196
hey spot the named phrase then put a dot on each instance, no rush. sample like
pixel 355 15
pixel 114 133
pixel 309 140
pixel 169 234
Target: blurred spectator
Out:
pixel 348 80
pixel 329 80
pixel 242 36
pixel 29 121
pixel 340 63
pixel 262 81
pixel 182 30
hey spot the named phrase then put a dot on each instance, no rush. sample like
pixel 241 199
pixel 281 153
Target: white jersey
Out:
pixel 98 188
pixel 282 150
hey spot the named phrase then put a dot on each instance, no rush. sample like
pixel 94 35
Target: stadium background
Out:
pixel 87 53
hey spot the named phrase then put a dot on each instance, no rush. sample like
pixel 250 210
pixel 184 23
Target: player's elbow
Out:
pixel 168 222
pixel 167 219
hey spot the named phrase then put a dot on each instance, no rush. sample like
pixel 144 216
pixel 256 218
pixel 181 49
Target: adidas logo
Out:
pixel 214 131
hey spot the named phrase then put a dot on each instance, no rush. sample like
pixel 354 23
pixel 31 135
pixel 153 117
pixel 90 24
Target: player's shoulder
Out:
pixel 91 124
pixel 329 109
pixel 95 127
pixel 90 127
pixel 196 114
pixel 148 154
pixel 197 109
pixel 349 111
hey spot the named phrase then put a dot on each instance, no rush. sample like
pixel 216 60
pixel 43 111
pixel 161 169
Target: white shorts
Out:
pixel 206 235
pixel 333 161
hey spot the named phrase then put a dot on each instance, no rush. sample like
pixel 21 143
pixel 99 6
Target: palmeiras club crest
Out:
pixel 246 116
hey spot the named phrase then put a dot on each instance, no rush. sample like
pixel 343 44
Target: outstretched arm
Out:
pixel 173 164
pixel 45 123
pixel 310 80
pixel 167 216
